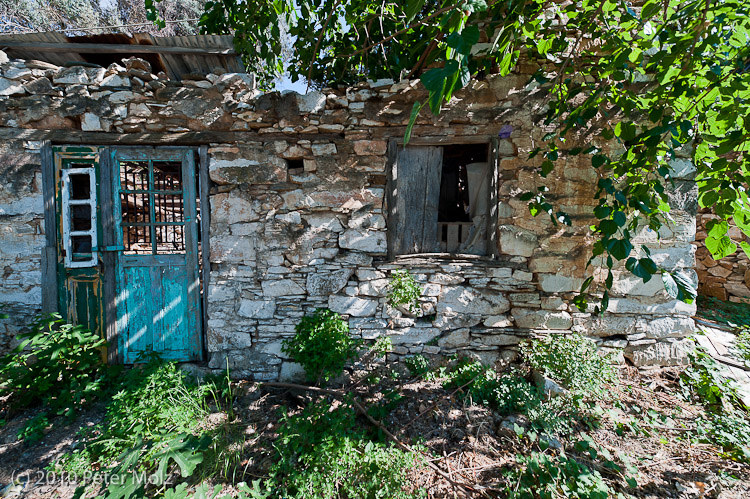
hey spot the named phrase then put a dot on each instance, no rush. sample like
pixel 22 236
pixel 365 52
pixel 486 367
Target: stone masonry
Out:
pixel 286 241
pixel 727 279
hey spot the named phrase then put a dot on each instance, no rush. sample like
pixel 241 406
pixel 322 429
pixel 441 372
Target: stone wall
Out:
pixel 727 279
pixel 21 237
pixel 286 241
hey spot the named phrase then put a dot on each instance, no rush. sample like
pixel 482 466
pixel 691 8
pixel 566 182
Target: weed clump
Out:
pixel 404 291
pixel 571 360
pixel 57 366
pixel 322 345
pixel 728 418
pixel 322 453
pixel 152 425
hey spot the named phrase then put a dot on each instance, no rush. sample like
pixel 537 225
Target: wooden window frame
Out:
pixel 391 198
pixel 67 213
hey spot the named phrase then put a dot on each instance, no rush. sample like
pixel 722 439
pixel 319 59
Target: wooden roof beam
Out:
pixel 92 48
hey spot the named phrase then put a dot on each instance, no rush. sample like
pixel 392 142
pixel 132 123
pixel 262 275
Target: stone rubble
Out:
pixel 285 240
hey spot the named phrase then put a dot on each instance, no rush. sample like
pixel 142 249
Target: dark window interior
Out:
pixel 82 248
pixel 80 186
pixel 152 207
pixel 454 188
pixel 455 223
pixel 80 217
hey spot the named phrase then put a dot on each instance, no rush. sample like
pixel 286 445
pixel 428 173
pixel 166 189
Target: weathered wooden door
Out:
pixel 127 247
pixel 79 235
pixel 157 291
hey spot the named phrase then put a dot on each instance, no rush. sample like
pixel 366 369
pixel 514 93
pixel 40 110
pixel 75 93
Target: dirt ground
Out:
pixel 467 442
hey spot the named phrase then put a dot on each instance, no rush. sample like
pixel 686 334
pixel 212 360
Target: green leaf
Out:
pixel 464 41
pixel 720 246
pixel 619 218
pixel 413 7
pixel 416 108
pixel 602 211
pixel 625 131
pixel 679 287
pixel 598 160
pixel 547 167
pixel 620 248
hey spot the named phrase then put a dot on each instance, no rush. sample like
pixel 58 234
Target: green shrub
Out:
pixel 571 360
pixel 547 477
pixel 56 364
pixel 404 291
pixel 418 365
pixel 705 382
pixel 728 420
pixel 322 345
pixel 321 454
pixel 155 404
pixel 33 430
pixel 731 432
pixel 508 392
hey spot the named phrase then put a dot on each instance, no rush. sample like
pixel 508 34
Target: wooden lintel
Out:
pixel 106 48
pixel 425 136
pixel 73 137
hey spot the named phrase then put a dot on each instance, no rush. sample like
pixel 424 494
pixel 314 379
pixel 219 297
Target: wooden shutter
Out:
pixel 413 198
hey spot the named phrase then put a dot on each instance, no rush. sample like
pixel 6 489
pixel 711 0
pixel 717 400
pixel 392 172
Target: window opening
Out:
pixel 79 216
pixel 464 191
pixel 152 207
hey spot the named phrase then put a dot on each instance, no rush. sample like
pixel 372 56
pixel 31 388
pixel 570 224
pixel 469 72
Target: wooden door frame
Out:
pixel 49 251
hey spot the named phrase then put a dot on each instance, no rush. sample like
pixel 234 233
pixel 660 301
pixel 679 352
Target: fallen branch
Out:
pixel 478 489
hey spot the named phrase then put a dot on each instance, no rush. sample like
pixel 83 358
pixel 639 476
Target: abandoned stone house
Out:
pixel 161 200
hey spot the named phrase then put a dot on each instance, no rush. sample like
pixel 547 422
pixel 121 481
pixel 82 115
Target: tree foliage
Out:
pixel 655 82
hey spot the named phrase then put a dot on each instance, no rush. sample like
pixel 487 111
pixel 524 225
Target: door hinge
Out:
pixel 112 248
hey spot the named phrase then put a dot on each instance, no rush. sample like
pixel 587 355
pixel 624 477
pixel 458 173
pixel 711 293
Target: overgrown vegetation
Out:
pixel 161 433
pixel 322 452
pixel 725 312
pixel 568 359
pixel 56 366
pixel 322 345
pixel 418 365
pixel 743 346
pixel 156 422
pixel 403 291
pixel 547 476
pixel 571 360
pixel 727 421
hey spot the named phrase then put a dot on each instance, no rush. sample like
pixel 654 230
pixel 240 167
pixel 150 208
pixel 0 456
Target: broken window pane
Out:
pixel 80 217
pixel 152 207
pixel 170 239
pixel 137 240
pixel 81 248
pixel 464 196
pixel 135 208
pixel 80 186
pixel 168 208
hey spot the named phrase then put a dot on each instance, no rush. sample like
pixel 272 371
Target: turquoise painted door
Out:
pixel 157 297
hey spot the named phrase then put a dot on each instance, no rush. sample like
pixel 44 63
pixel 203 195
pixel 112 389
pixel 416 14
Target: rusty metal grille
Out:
pixel 152 207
